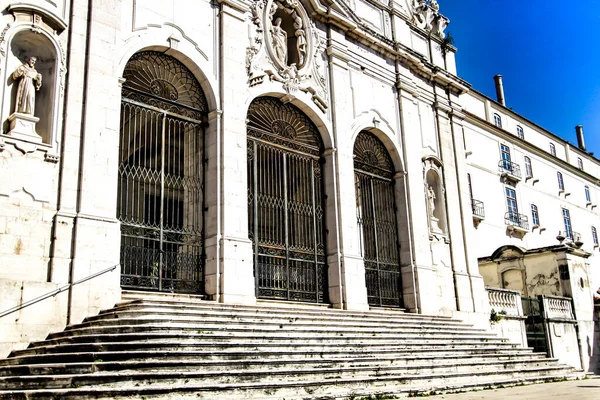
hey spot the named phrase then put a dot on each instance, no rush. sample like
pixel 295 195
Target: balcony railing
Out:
pixel 516 220
pixel 478 209
pixel 509 169
pixel 571 236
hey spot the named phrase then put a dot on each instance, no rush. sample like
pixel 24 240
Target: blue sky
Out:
pixel 547 51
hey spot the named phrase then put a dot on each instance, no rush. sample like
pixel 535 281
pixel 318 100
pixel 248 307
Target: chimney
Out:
pixel 580 141
pixel 499 90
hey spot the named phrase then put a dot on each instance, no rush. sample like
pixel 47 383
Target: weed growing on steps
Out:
pixel 378 396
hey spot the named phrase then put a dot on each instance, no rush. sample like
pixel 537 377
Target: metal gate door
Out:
pixel 535 324
pixel 377 222
pixel 285 203
pixel 160 194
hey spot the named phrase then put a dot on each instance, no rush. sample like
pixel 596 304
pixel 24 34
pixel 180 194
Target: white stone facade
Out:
pixel 365 66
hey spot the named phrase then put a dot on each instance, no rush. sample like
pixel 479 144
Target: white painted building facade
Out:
pixel 190 134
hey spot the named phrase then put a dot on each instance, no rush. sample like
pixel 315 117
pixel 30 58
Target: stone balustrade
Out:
pixel 507 301
pixel 558 307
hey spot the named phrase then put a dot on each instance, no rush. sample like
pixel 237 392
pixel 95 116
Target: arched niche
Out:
pixel 24 44
pixel 288 20
pixel 435 195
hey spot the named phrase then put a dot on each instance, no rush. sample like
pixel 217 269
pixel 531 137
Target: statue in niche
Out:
pixel 300 40
pixel 431 198
pixel 29 82
pixel 279 41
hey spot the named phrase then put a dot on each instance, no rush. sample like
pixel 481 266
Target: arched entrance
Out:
pixel 377 220
pixel 285 203
pixel 161 173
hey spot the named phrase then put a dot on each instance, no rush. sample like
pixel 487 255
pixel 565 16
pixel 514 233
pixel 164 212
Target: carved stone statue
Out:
pixel 300 40
pixel 279 41
pixel 29 82
pixel 431 198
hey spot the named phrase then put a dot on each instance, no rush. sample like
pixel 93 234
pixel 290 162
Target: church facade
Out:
pixel 273 150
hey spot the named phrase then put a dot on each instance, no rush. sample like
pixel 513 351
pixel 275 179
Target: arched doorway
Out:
pixel 161 173
pixel 377 220
pixel 285 203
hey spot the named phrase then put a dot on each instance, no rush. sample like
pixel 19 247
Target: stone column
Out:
pixel 345 261
pixel 236 281
pixel 89 188
pixel 415 251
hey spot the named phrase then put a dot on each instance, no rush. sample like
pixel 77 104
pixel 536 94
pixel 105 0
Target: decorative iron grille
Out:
pixel 160 193
pixel 285 203
pixel 377 221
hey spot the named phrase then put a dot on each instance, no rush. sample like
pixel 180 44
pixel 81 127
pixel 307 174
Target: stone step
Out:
pixel 136 325
pixel 248 344
pixel 316 312
pixel 268 375
pixel 336 388
pixel 214 317
pixel 291 328
pixel 236 353
pixel 271 363
pixel 194 336
pixel 207 307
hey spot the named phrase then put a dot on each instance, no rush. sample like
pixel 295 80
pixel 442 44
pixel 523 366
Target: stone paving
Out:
pixel 586 389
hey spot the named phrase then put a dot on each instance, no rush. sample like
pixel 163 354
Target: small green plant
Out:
pixel 496 316
pixel 154 273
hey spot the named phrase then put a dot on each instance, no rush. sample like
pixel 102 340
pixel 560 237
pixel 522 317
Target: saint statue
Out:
pixel 300 40
pixel 29 82
pixel 279 41
pixel 431 198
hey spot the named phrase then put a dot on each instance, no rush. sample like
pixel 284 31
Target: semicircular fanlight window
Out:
pixel 162 81
pixel 283 124
pixel 370 155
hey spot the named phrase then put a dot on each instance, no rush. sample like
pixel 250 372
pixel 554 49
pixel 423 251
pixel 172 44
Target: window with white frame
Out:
pixel 561 182
pixel 579 163
pixel 528 169
pixel 497 120
pixel 553 149
pixel 505 150
pixel 511 202
pixel 535 216
pixel 520 133
pixel 588 196
pixel 595 236
pixel 567 223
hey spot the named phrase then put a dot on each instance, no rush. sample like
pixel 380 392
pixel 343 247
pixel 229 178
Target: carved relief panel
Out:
pixel 285 47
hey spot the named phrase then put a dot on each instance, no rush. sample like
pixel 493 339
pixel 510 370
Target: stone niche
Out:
pixel 24 44
pixel 32 32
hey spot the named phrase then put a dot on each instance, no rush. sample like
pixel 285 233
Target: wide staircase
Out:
pixel 153 346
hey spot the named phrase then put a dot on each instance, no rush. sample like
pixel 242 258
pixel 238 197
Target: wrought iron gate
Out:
pixel 285 203
pixel 535 324
pixel 160 195
pixel 377 222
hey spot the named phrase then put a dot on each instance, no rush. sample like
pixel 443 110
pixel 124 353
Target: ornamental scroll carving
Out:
pixel 426 14
pixel 285 47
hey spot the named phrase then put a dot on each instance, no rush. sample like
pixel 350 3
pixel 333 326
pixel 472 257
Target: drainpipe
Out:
pixel 220 132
